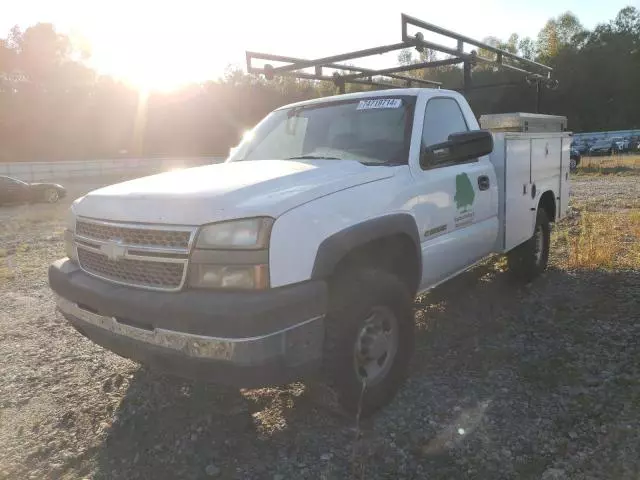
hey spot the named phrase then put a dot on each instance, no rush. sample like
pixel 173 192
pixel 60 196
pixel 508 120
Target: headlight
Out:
pixel 242 277
pixel 247 234
pixel 232 255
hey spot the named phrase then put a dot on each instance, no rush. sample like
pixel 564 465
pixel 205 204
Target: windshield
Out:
pixel 373 131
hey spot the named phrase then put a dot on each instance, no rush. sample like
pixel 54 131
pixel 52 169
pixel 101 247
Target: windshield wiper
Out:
pixel 313 157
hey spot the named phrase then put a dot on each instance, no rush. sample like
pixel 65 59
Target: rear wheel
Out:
pixel 530 259
pixel 573 164
pixel 369 339
pixel 51 195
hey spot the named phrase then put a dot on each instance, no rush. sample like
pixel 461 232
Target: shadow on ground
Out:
pixel 507 382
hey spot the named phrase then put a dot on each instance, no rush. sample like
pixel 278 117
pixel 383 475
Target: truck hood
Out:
pixel 224 191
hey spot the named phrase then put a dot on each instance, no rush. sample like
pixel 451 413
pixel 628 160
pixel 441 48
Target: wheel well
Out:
pixel 395 254
pixel 548 204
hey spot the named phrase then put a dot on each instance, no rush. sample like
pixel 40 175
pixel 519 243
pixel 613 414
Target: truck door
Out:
pixel 455 205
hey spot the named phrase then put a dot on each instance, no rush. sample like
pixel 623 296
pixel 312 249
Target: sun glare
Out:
pixel 248 135
pixel 150 49
pixel 154 78
pixel 161 46
pixel 148 66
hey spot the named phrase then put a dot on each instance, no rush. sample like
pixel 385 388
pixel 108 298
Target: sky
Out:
pixel 161 44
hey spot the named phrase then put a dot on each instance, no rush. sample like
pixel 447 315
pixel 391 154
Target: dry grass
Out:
pixel 610 164
pixel 6 270
pixel 25 230
pixel 603 240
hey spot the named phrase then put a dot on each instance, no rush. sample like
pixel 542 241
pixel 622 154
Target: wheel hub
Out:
pixel 376 345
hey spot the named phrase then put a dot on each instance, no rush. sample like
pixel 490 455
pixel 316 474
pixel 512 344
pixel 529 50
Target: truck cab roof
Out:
pixel 372 94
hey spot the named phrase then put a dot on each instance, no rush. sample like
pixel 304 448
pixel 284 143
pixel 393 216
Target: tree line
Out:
pixel 53 107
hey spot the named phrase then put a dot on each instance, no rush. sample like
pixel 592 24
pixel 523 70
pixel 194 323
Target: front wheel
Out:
pixel 530 259
pixel 369 339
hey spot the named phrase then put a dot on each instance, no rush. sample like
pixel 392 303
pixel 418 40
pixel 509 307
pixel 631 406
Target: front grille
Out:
pixel 134 236
pixel 153 274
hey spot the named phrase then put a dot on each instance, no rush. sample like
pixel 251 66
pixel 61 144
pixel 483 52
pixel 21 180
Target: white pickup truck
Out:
pixel 301 254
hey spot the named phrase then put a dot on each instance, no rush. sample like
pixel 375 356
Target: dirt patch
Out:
pixel 507 382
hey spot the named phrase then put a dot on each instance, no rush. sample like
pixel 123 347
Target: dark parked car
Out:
pixel 604 147
pixel 13 190
pixel 580 147
pixel 574 157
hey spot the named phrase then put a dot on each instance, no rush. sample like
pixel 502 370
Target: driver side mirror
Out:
pixel 459 148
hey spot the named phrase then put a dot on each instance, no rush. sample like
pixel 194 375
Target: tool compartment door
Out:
pixel 518 215
pixel 564 178
pixel 546 163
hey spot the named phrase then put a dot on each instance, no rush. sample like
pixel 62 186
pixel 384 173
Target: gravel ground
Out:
pixel 537 382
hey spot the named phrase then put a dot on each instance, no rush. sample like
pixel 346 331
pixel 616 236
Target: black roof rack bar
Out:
pixel 472 57
pixel 489 85
pixel 342 57
pixel 367 72
pixel 413 66
pixel 409 20
pixel 311 76
pixel 534 72
pixel 362 72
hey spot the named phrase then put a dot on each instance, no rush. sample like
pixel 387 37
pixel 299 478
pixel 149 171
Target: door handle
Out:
pixel 483 182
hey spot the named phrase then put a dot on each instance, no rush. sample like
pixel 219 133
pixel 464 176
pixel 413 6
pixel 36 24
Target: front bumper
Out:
pixel 242 339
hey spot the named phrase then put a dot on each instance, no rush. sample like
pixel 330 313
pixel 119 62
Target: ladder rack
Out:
pixel 534 73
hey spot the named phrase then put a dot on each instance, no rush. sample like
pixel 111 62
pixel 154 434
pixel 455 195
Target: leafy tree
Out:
pixel 527 48
pixel 558 33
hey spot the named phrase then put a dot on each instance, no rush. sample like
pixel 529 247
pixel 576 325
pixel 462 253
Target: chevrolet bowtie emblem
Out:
pixel 114 250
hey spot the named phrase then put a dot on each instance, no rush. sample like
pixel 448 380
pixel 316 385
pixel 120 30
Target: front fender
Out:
pixel 300 247
pixel 334 248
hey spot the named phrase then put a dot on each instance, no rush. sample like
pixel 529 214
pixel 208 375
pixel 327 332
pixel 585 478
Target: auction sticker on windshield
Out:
pixel 379 103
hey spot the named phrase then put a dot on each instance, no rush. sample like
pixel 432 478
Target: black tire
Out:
pixel 51 195
pixel 354 296
pixel 531 258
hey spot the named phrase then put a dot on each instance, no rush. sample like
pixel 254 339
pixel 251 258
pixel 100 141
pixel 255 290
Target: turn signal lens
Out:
pixel 236 277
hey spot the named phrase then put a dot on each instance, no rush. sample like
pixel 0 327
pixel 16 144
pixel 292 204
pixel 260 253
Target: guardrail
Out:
pixel 52 171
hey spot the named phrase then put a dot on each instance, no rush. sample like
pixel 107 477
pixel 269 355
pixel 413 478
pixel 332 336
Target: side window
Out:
pixel 442 117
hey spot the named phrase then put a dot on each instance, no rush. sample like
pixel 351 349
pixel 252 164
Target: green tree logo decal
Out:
pixel 464 192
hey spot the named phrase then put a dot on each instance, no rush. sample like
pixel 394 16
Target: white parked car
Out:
pixel 302 253
pixel 622 144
